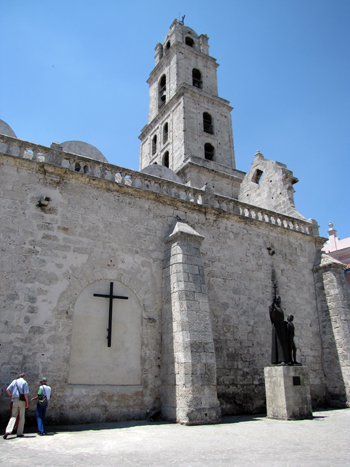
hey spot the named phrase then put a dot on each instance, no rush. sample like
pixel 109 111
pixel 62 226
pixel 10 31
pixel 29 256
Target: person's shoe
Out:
pixel 41 434
pixel 5 435
pixel 20 436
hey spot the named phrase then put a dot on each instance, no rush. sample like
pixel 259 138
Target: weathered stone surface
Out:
pixel 269 184
pixel 179 110
pixel 91 360
pixel 84 149
pixel 287 392
pixel 333 298
pixel 190 397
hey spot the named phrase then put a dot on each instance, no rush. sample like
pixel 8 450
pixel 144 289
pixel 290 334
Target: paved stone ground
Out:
pixel 238 441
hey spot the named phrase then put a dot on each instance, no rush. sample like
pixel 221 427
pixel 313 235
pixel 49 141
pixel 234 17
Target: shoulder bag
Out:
pixel 21 396
pixel 42 401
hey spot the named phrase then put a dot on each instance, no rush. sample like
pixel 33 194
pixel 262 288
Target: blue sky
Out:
pixel 77 70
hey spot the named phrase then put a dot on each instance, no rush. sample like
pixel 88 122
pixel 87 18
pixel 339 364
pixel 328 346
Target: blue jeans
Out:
pixel 40 417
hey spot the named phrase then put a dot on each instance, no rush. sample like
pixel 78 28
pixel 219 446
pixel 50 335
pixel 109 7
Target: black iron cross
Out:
pixel 110 296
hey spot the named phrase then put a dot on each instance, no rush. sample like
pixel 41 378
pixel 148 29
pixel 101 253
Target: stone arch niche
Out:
pixel 91 360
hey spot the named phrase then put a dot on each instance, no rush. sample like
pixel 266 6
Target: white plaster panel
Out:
pixel 91 360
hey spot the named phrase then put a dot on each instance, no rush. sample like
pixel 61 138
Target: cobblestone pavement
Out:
pixel 238 441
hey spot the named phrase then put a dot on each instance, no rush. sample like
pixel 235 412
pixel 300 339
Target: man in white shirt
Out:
pixel 18 390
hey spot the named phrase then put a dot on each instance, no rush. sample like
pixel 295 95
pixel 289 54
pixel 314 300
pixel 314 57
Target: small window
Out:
pixel 166 159
pixel 162 82
pixel 162 91
pixel 257 176
pixel 196 78
pixel 154 144
pixel 165 133
pixel 189 41
pixel 77 167
pixel 209 151
pixel 208 123
pixel 167 45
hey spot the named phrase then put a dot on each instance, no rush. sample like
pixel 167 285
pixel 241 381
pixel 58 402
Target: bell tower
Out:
pixel 189 126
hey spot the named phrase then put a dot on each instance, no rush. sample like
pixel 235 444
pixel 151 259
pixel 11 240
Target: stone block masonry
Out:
pixel 112 227
pixel 288 392
pixel 189 383
pixel 333 298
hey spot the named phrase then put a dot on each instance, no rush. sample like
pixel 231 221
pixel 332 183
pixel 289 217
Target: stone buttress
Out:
pixel 189 393
pixel 333 299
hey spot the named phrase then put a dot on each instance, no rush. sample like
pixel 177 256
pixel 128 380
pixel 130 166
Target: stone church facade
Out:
pixel 187 247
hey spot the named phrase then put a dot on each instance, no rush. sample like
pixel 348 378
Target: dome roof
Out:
pixel 5 129
pixel 83 149
pixel 161 172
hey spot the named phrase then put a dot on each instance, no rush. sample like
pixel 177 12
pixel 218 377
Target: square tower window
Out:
pixel 165 133
pixel 189 41
pixel 209 152
pixel 257 176
pixel 162 91
pixel 208 123
pixel 166 159
pixel 154 144
pixel 196 78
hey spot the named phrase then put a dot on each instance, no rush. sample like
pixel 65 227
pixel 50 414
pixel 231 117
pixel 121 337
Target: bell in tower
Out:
pixel 189 126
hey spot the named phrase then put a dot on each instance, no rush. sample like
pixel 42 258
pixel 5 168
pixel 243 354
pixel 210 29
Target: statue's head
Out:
pixel 278 299
pixel 290 318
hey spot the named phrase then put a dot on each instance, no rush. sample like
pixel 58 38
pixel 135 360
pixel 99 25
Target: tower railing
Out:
pixel 87 167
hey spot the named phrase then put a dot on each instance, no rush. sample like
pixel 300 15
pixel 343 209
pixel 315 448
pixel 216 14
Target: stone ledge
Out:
pixel 51 160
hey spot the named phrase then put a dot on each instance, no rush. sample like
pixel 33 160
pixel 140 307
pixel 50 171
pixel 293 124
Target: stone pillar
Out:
pixel 287 392
pixel 189 393
pixel 204 44
pixel 159 53
pixel 333 301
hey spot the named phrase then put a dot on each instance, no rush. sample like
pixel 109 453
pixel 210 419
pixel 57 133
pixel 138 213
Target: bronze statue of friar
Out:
pixel 283 347
pixel 279 351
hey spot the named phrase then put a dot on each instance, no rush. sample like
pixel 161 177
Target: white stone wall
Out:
pixel 174 144
pixel 177 66
pixel 189 392
pixel 186 104
pixel 96 230
pixel 196 137
pixel 269 184
pixel 169 69
pixel 177 149
pixel 189 60
pixel 86 234
pixel 333 298
pixel 238 271
pixel 186 136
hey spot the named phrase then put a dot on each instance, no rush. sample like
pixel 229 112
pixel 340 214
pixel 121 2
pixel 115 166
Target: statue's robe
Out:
pixel 279 351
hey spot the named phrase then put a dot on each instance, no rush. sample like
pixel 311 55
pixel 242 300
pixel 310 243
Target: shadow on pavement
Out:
pixel 227 419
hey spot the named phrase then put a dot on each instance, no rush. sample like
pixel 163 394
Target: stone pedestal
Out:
pixel 287 392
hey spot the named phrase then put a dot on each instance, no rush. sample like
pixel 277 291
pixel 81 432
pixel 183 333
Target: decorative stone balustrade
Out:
pixel 127 177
